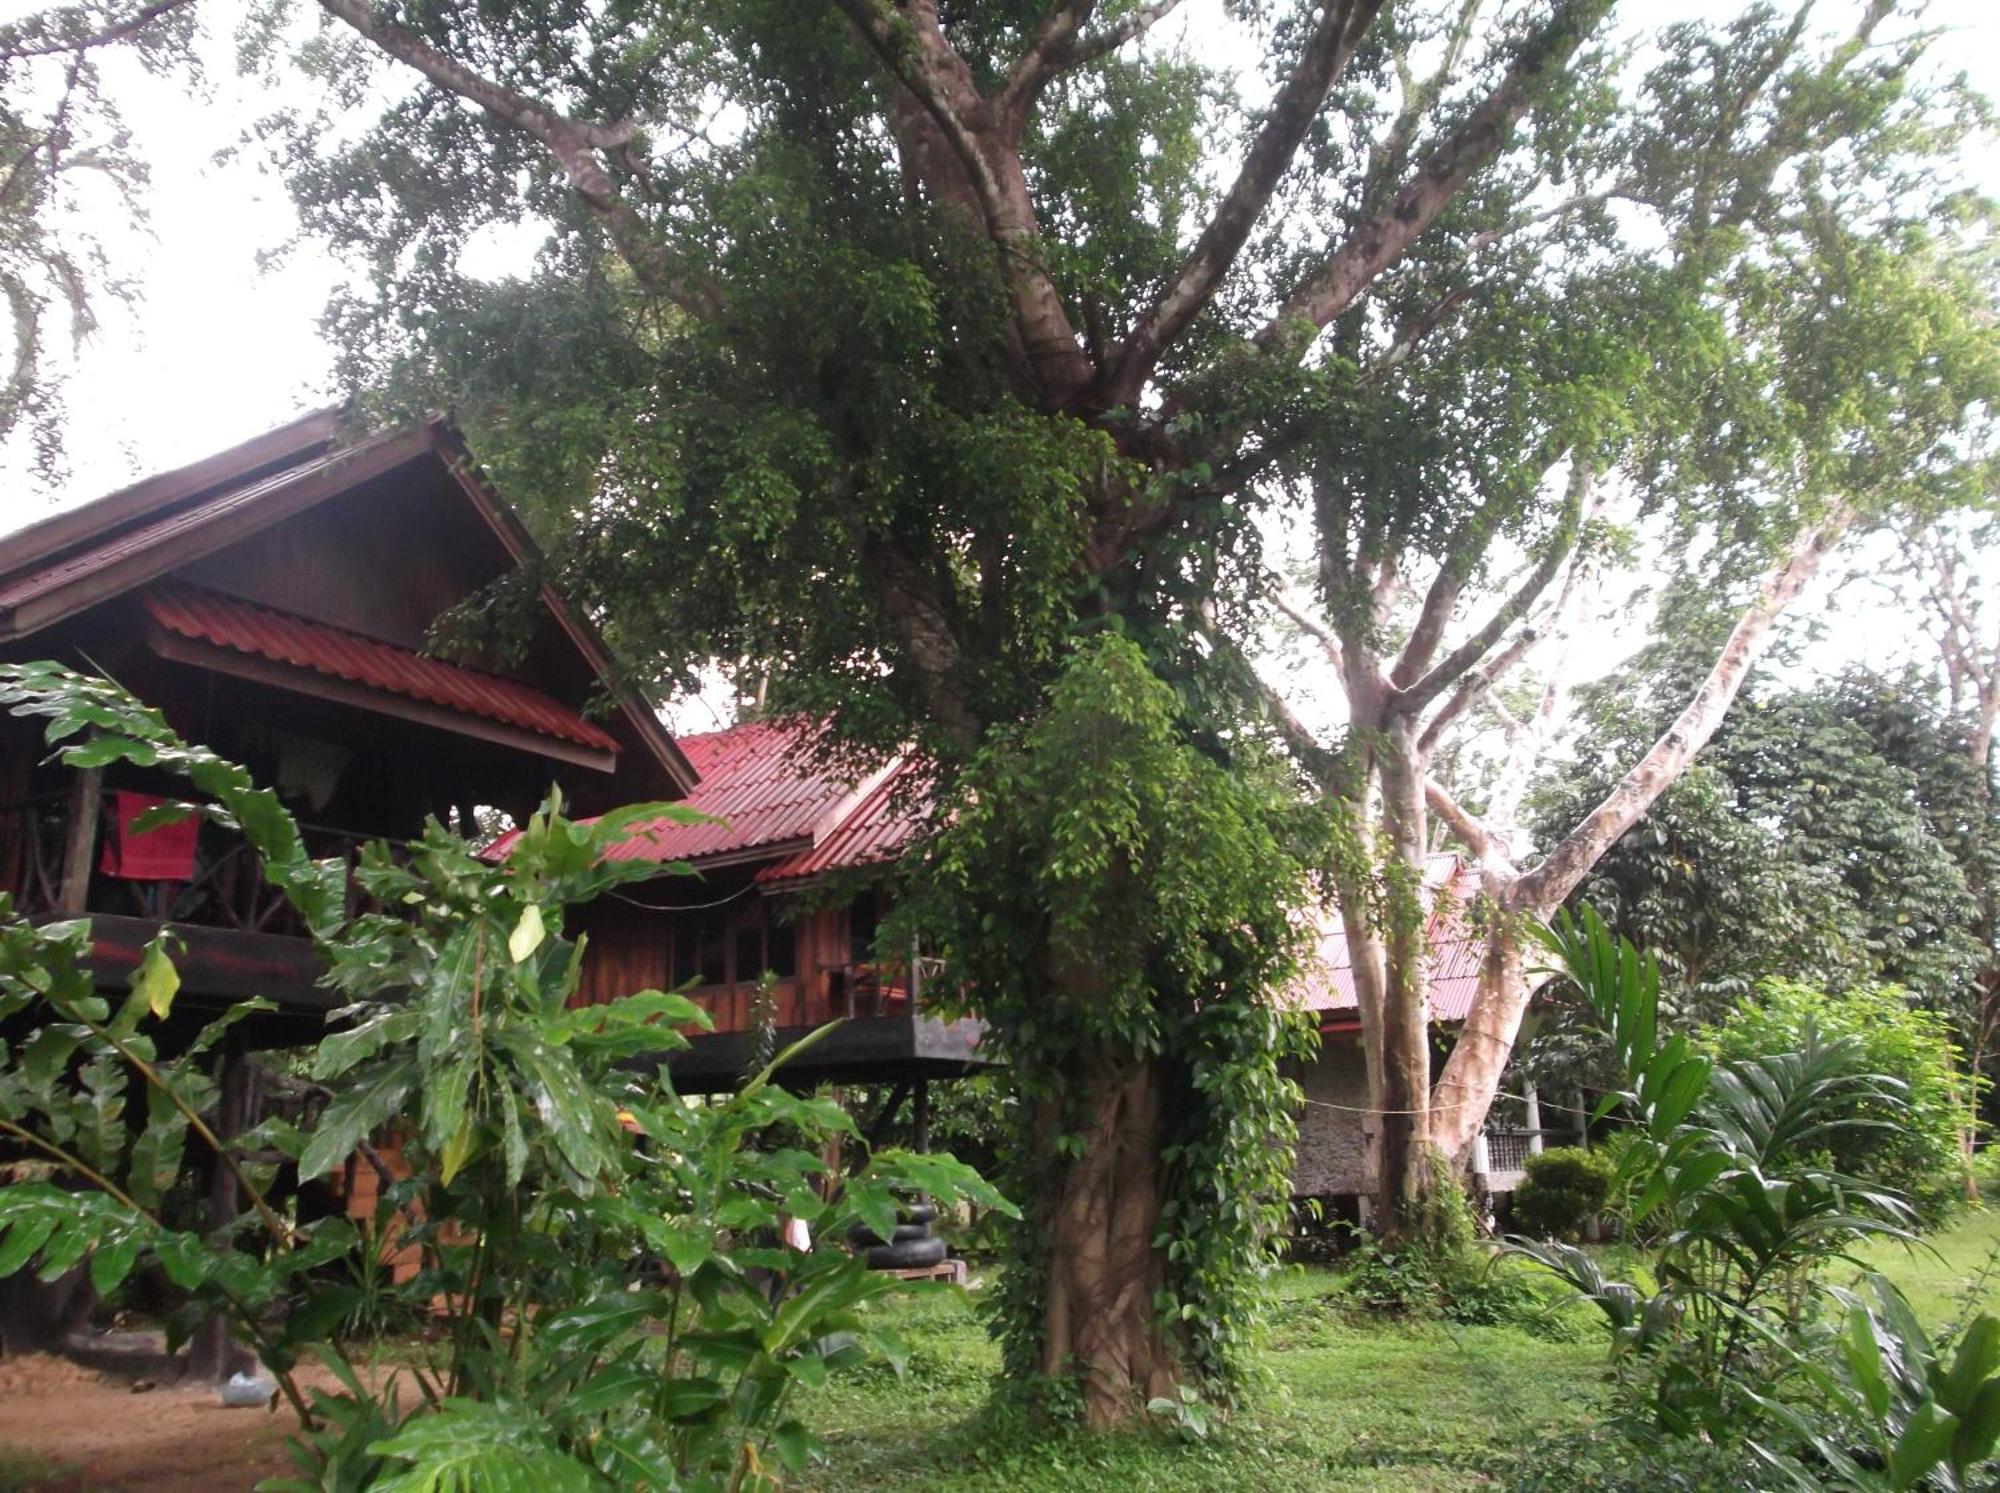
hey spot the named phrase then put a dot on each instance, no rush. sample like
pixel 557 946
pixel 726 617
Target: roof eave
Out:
pixel 520 544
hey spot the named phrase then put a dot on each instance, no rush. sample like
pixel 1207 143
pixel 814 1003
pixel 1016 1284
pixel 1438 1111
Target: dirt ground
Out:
pixel 66 1427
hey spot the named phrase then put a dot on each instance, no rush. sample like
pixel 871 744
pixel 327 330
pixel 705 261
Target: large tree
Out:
pixel 904 349
pixel 1771 346
pixel 65 156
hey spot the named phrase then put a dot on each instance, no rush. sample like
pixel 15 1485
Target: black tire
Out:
pixel 918 1213
pixel 917 1254
pixel 864 1236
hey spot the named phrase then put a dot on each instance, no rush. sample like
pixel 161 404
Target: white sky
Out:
pixel 219 348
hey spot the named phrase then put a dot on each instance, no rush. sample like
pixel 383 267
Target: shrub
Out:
pixel 622 1311
pixel 1739 1341
pixel 1565 1190
pixel 1910 1141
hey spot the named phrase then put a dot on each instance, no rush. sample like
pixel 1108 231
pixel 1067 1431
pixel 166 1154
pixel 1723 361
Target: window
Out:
pixel 749 952
pixel 861 922
pixel 701 952
pixel 781 955
pixel 763 945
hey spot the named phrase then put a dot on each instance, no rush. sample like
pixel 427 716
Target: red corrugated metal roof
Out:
pixel 1456 952
pixel 759 779
pixel 875 831
pixel 209 617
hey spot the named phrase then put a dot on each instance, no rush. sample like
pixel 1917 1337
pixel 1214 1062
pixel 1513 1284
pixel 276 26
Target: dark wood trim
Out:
pixel 86 806
pixel 310 682
pixel 241 463
pixel 366 461
pixel 217 963
pixel 865 1049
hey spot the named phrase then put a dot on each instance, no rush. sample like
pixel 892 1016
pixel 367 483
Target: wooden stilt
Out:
pixel 209 1349
pixel 86 805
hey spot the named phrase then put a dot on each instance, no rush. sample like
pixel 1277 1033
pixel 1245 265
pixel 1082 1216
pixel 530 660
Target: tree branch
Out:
pixel 1059 46
pixel 1416 696
pixel 574 143
pixel 1310 626
pixel 117 31
pixel 933 74
pixel 1342 23
pixel 1474 688
pixel 1378 243
pixel 1432 618
pixel 1543 888
pixel 1469 831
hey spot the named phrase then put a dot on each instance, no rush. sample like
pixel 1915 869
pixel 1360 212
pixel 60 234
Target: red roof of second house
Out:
pixel 760 781
pixel 874 831
pixel 244 627
pixel 1456 952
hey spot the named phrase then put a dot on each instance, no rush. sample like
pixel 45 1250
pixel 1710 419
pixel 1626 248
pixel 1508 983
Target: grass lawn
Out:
pixel 1939 1275
pixel 1363 1406
pixel 1353 1403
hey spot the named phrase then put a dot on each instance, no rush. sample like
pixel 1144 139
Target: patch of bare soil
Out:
pixel 103 1428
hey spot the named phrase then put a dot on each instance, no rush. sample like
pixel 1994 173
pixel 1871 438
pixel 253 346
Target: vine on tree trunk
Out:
pixel 1119 900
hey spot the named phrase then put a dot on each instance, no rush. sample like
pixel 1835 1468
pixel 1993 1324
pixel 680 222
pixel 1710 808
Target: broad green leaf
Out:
pixel 111 1262
pixel 357 1111
pixel 794 1443
pixel 341 1050
pixel 156 979
pixel 528 933
pixel 1925 1441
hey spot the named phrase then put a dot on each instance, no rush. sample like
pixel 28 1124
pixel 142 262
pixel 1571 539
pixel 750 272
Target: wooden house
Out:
pixel 275 602
pixel 777 929
pixel 1335 1127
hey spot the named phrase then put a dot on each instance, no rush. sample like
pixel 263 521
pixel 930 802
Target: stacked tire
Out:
pixel 912 1247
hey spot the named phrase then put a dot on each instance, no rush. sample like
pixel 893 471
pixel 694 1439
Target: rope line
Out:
pixel 682 906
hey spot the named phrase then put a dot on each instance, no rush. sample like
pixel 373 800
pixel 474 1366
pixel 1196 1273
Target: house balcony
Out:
pixel 237 935
pixel 883 1036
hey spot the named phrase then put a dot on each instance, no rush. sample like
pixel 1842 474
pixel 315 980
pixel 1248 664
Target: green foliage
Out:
pixel 1904 1414
pixel 1734 1340
pixel 1117 897
pixel 595 1235
pixel 1912 1141
pixel 1830 835
pixel 1564 1192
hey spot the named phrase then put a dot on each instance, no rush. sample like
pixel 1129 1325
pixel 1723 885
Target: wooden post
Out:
pixel 1482 1164
pixel 916 972
pixel 920 1117
pixel 86 804
pixel 209 1349
pixel 1534 1103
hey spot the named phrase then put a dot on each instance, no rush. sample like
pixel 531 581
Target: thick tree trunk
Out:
pixel 1403 1183
pixel 1099 1321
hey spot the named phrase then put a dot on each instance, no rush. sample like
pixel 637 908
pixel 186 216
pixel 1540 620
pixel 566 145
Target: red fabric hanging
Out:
pixel 165 853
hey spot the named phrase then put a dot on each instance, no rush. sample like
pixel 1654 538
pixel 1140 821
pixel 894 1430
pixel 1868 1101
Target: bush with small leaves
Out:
pixel 1564 1192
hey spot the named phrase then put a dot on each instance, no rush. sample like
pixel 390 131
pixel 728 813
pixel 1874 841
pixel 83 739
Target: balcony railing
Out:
pixel 228 888
pixel 876 989
pixel 1508 1150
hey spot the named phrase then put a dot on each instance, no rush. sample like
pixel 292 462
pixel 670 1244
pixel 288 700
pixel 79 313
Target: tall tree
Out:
pixel 65 152
pixel 1769 345
pixel 908 349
